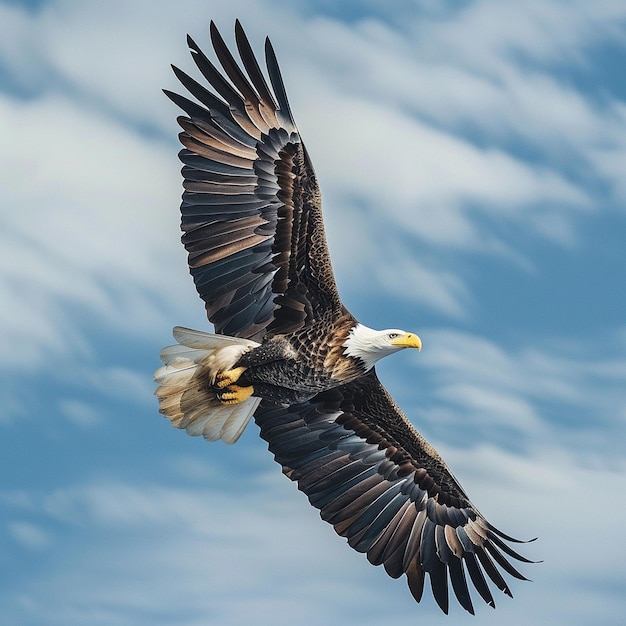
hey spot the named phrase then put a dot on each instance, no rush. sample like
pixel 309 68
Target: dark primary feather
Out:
pixel 384 488
pixel 251 210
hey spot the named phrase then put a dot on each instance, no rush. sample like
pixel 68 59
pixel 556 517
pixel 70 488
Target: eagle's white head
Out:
pixel 370 345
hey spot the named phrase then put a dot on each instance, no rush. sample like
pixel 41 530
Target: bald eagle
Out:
pixel 287 352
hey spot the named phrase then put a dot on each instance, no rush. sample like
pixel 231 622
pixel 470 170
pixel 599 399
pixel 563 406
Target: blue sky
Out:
pixel 471 157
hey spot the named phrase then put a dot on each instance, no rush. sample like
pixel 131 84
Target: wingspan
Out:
pixel 384 488
pixel 251 210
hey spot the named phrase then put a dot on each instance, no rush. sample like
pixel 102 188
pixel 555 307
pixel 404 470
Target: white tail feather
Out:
pixel 205 341
pixel 185 392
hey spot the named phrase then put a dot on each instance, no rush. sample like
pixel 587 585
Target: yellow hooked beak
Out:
pixel 408 340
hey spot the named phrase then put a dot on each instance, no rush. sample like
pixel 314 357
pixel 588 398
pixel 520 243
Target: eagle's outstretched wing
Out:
pixel 251 210
pixel 384 488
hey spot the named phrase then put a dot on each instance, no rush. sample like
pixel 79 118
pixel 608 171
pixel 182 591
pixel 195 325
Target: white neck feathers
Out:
pixel 368 345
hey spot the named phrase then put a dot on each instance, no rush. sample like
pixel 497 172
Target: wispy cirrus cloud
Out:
pixel 205 531
pixel 572 394
pixel 374 142
pixel 155 551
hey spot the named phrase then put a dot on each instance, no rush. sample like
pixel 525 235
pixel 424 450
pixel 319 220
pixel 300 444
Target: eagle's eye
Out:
pixel 393 335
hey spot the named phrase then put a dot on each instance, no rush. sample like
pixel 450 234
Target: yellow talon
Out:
pixel 234 394
pixel 229 377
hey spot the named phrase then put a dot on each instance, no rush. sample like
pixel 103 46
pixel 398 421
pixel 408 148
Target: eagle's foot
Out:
pixel 229 377
pixel 233 394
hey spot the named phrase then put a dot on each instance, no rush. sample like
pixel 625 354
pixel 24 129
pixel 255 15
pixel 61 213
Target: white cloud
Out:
pixel 571 394
pixel 93 224
pixel 79 413
pixel 226 557
pixel 421 176
pixel 229 555
pixel 377 253
pixel 379 81
pixel 88 225
pixel 543 32
pixel 28 535
pixel 119 382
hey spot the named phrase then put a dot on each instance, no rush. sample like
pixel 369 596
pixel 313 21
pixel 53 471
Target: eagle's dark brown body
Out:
pixel 288 353
pixel 292 368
